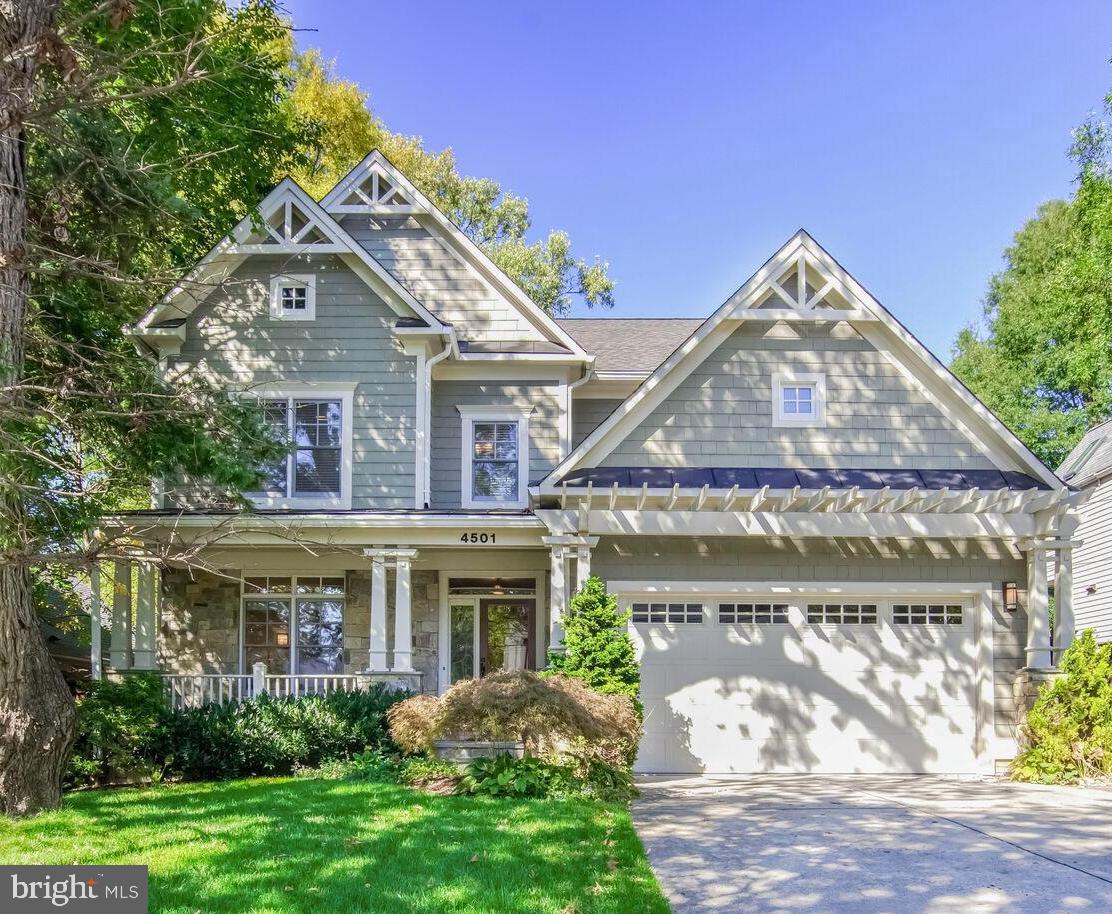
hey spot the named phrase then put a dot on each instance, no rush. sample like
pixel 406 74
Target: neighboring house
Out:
pixel 822 536
pixel 1088 469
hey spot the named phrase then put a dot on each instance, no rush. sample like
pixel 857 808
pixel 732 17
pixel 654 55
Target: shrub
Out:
pixel 123 732
pixel 1067 735
pixel 597 647
pixel 425 770
pixel 508 776
pixel 273 736
pixel 548 714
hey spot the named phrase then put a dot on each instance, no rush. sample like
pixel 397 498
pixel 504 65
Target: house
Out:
pixel 1088 469
pixel 834 556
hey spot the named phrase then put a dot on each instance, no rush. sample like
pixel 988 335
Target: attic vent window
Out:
pixel 293 298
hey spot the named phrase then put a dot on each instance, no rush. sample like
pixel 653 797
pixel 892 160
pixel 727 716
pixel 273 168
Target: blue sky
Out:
pixel 685 142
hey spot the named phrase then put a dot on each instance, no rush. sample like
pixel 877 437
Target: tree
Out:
pixel 1042 359
pixel 131 133
pixel 498 222
pixel 597 649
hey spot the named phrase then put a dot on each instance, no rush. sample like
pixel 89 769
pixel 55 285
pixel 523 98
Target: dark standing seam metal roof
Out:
pixel 632 343
pixel 781 478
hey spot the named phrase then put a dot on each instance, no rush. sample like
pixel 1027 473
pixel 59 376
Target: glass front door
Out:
pixel 491 635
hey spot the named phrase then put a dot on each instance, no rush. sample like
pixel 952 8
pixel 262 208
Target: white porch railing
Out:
pixel 192 690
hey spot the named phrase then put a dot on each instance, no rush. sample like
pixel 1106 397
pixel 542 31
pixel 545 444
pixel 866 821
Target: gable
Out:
pixel 798 295
pixel 408 234
pixel 722 414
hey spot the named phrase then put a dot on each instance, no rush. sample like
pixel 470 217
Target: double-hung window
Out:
pixel 316 426
pixel 294 624
pixel 799 399
pixel 495 458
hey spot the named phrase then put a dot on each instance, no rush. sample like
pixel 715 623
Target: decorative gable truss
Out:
pixel 286 224
pixel 372 190
pixel 802 282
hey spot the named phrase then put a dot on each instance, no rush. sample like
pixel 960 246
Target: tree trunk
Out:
pixel 37 718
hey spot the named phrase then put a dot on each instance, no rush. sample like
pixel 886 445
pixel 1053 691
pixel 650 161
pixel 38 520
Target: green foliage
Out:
pixel 374 766
pixel 419 770
pixel 1043 358
pixel 273 736
pixel 347 129
pixel 507 776
pixel 1068 733
pixel 126 731
pixel 123 732
pixel 127 188
pixel 597 648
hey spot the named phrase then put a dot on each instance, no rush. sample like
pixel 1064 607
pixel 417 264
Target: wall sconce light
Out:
pixel 1091 589
pixel 282 639
pixel 1011 596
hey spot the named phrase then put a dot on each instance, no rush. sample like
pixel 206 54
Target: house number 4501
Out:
pixel 478 538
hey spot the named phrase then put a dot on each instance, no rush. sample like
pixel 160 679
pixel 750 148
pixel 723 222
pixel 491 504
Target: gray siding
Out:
pixel 447 429
pixel 587 414
pixel 1092 563
pixel 721 415
pixel 439 280
pixel 725 559
pixel 233 339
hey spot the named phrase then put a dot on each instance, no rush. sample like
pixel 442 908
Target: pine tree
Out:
pixel 597 648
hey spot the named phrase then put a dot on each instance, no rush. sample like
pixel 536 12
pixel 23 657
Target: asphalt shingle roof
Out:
pixel 630 343
pixel 1091 459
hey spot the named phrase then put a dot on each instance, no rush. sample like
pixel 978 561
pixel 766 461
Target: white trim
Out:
pixel 788 378
pixel 469 415
pixel 886 589
pixel 345 393
pixel 947 392
pixel 470 253
pixel 279 281
pixel 229 253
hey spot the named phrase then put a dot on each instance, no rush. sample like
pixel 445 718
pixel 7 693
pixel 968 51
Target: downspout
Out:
pixel 588 374
pixel 425 480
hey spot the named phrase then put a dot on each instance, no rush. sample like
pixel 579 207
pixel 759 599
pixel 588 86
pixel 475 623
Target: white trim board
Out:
pixel 231 251
pixel 984 430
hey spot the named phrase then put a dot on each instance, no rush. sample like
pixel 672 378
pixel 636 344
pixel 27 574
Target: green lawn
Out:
pixel 308 845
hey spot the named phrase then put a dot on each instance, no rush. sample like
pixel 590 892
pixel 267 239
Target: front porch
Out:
pixel 291 619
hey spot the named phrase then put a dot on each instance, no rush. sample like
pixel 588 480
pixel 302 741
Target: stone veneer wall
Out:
pixel 199 629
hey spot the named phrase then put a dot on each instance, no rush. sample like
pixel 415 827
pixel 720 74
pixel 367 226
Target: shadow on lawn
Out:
pixel 317 845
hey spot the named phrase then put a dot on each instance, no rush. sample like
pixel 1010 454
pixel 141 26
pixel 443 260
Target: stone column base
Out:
pixel 1027 684
pixel 396 680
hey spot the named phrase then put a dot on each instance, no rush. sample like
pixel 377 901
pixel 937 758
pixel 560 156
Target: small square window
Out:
pixel 798 399
pixel 293 297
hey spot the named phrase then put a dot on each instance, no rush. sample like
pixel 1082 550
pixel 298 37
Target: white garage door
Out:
pixel 804 680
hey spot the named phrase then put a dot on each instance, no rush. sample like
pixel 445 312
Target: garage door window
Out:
pixel 668 612
pixel 926 614
pixel 841 613
pixel 753 613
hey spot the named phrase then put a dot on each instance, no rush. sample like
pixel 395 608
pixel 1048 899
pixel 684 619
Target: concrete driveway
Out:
pixel 810 844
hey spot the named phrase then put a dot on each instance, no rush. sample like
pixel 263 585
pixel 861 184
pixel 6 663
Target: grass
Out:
pixel 286 845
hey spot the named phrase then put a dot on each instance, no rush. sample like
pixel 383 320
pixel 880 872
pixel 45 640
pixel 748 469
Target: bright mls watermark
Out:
pixel 84 889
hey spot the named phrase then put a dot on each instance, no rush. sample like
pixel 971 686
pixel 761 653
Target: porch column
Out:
pixel 96 663
pixel 146 618
pixel 1038 609
pixel 582 566
pixel 377 644
pixel 121 617
pixel 1063 602
pixel 403 620
pixel 558 590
